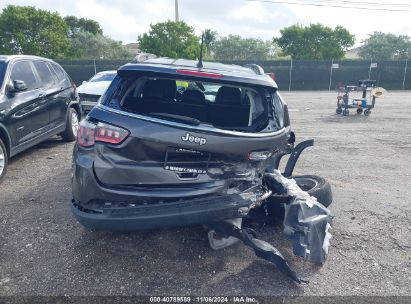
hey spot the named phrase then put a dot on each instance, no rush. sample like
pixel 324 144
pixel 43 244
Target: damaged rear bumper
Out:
pixel 153 216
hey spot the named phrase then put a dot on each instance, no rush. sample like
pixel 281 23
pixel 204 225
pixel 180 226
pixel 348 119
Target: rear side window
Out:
pixel 46 78
pixel 2 71
pixel 22 70
pixel 59 72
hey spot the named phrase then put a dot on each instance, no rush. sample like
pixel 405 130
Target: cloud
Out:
pixel 248 19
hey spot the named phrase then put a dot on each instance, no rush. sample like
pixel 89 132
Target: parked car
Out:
pixel 90 91
pixel 176 142
pixel 37 100
pixel 166 133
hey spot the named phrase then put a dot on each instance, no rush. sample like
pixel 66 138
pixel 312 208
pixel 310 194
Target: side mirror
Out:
pixel 18 86
pixel 84 81
pixel 9 89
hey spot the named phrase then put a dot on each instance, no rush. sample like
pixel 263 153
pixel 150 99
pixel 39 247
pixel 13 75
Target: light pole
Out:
pixel 176 9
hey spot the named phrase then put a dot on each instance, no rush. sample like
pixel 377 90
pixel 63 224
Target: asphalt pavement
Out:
pixel 45 251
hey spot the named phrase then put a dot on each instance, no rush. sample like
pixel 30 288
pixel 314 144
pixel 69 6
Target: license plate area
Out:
pixel 186 163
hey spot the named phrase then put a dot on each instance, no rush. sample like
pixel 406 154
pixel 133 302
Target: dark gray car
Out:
pixel 175 143
pixel 170 145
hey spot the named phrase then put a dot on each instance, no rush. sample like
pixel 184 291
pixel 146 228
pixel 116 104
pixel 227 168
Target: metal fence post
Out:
pixel 95 69
pixel 331 74
pixel 291 68
pixel 405 74
pixel 369 70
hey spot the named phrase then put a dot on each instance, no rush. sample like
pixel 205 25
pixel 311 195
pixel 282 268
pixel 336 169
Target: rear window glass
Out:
pixel 46 78
pixel 2 71
pixel 58 72
pixel 102 77
pixel 194 102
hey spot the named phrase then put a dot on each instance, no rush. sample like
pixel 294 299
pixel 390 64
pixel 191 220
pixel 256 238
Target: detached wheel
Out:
pixel 3 160
pixel 315 186
pixel 72 125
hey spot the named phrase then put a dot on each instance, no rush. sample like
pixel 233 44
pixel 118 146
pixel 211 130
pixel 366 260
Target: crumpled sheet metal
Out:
pixel 293 189
pixel 307 223
pixel 261 248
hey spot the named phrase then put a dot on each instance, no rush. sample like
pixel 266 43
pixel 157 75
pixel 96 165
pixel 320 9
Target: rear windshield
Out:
pixel 195 102
pixel 102 77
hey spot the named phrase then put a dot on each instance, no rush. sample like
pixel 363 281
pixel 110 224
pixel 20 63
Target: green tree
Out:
pixel 76 25
pixel 315 41
pixel 210 37
pixel 380 46
pixel 234 47
pixel 86 45
pixel 170 39
pixel 27 30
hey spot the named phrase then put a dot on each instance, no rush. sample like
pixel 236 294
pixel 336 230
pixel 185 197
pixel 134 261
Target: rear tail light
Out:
pixel 85 134
pixel 272 76
pixel 259 155
pixel 73 85
pixel 89 133
pixel 110 134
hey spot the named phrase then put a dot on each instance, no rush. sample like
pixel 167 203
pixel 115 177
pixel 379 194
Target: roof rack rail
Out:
pixel 256 68
pixel 143 57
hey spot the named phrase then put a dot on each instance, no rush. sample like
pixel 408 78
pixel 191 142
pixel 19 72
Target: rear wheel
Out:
pixel 72 125
pixel 3 160
pixel 338 110
pixel 367 112
pixel 359 110
pixel 346 112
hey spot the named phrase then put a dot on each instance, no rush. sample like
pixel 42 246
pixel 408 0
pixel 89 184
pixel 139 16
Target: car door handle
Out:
pixel 42 95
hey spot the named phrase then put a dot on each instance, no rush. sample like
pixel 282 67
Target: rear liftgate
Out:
pixel 306 223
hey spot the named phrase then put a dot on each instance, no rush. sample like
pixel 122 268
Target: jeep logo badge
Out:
pixel 194 139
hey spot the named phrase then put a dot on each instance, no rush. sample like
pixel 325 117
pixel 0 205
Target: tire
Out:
pixel 367 112
pixel 338 110
pixel 359 110
pixel 3 160
pixel 72 123
pixel 346 112
pixel 315 186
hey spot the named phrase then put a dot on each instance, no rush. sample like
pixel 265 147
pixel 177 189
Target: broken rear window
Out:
pixel 224 106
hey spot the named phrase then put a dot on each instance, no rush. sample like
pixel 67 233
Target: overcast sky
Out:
pixel 125 19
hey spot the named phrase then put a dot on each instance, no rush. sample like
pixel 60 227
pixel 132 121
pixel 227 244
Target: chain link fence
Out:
pixel 80 70
pixel 290 74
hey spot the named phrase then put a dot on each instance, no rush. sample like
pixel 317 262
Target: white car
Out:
pixel 90 91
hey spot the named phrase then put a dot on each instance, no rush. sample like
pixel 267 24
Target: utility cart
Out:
pixel 362 104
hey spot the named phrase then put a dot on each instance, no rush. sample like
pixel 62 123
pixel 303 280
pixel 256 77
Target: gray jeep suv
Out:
pixel 174 142
pixel 171 144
